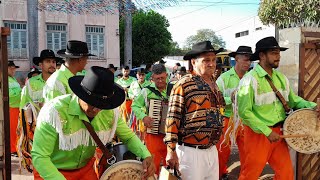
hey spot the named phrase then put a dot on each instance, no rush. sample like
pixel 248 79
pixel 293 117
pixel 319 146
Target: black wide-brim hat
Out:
pixel 112 66
pixel 46 54
pixel 11 63
pixel 33 71
pixel 97 88
pixel 75 49
pixel 241 50
pixel 266 44
pixel 199 48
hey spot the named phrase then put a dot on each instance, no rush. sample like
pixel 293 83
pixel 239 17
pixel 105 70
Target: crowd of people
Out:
pixel 185 119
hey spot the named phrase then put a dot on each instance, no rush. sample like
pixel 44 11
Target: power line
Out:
pixel 222 4
pixel 241 20
pixel 196 10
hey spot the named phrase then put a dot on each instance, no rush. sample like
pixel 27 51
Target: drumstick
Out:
pixel 294 135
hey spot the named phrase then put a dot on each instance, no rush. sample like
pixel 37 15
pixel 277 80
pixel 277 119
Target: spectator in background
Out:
pixel 14 102
pixel 218 70
pixel 33 72
pixel 125 81
pixel 59 63
pixel 113 70
pixel 181 71
pixel 148 71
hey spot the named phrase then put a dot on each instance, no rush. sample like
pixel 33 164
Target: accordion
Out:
pixel 158 112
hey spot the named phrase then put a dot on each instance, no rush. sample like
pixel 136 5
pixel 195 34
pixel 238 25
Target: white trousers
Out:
pixel 198 164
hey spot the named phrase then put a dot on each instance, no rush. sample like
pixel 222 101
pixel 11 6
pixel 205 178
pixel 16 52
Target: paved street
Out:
pixel 233 167
pixel 18 174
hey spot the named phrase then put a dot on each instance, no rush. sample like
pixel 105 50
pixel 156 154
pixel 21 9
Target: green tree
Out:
pixel 285 12
pixel 176 50
pixel 205 35
pixel 151 39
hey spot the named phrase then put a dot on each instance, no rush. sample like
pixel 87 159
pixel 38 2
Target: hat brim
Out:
pixel 62 53
pixel 109 103
pixel 233 54
pixel 37 60
pixel 255 55
pixel 15 66
pixel 194 53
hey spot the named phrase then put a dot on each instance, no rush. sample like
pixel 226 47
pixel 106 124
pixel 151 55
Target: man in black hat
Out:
pixel 59 64
pixel 76 55
pixel 63 147
pixel 263 113
pixel 32 92
pixel 181 71
pixel 194 121
pixel 113 70
pixel 228 83
pixel 14 101
pixel 32 101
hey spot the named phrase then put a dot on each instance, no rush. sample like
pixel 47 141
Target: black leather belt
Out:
pixel 279 124
pixel 206 146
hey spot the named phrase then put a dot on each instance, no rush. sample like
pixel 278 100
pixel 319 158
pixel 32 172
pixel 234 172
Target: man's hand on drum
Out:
pixel 148 167
pixel 147 121
pixel 274 137
pixel 173 160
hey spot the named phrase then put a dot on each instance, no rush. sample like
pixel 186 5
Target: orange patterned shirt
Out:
pixel 195 113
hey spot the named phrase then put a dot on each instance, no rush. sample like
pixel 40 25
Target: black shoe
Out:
pixel 225 176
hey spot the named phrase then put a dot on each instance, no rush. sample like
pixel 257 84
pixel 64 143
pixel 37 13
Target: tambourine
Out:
pixel 126 169
pixel 302 124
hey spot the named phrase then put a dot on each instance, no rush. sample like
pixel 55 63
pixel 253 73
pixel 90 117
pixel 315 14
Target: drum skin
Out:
pixel 303 121
pixel 125 170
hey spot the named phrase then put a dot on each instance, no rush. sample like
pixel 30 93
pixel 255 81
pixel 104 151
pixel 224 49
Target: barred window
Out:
pixel 17 41
pixel 56 36
pixel 95 40
pixel 243 33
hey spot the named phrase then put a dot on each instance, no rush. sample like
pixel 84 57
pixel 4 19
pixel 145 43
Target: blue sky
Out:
pixel 188 17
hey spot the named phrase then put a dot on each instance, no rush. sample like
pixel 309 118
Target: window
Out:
pixel 258 28
pixel 17 41
pixel 243 33
pixel 95 40
pixel 56 36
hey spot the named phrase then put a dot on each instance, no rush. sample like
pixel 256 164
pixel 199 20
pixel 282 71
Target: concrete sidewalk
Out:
pixel 17 173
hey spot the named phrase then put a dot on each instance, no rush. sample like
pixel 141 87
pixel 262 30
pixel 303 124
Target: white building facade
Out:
pixel 245 33
pixel 101 32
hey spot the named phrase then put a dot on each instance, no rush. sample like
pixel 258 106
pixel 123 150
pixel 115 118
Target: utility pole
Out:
pixel 33 41
pixel 128 35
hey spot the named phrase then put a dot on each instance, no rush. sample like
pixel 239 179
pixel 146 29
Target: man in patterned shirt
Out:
pixel 76 55
pixel 194 120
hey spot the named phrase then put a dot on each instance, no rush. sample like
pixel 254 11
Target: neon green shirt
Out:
pixel 125 83
pixel 32 91
pixel 258 106
pixel 227 83
pixel 61 141
pixel 14 92
pixel 135 88
pixel 57 84
pixel 140 104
